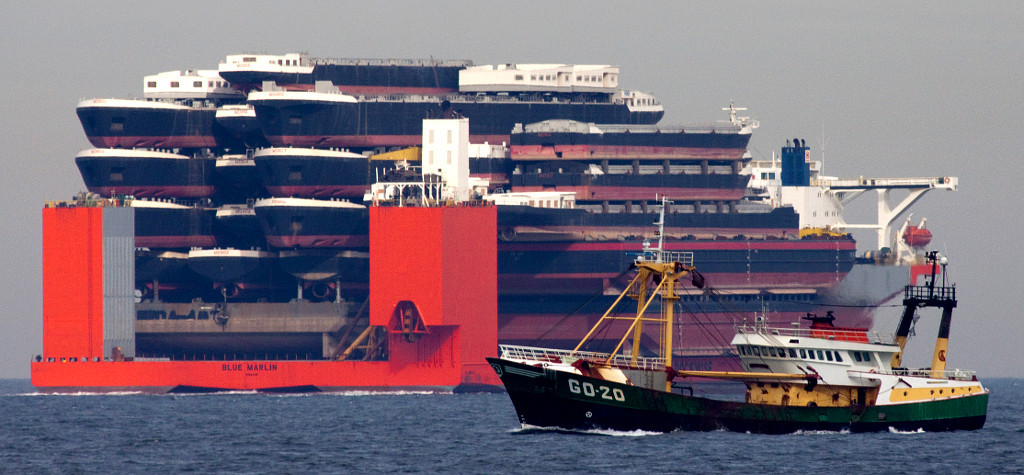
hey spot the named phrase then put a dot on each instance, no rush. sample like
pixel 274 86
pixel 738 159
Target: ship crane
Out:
pixel 796 180
pixel 845 191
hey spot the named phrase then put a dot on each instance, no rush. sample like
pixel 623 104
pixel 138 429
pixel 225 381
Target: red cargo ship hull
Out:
pixel 440 321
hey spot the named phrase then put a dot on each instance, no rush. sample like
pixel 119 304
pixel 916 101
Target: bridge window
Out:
pixel 803 353
pixel 792 353
pixel 151 84
pixel 174 83
pixel 519 77
pixel 197 83
pixel 838 357
pixel 828 355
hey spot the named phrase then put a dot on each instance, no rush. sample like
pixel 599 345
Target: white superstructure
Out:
pixel 189 84
pixel 847 357
pixel 822 200
pixel 510 77
pixel 275 63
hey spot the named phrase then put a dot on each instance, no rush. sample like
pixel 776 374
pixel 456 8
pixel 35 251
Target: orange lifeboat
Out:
pixel 917 237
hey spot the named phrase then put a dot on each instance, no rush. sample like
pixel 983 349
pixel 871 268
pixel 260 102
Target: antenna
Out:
pixel 824 144
pixel 661 227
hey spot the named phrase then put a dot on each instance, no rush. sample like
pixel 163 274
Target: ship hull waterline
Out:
pixel 160 377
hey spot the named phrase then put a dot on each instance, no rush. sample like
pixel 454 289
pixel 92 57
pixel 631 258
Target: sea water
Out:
pixel 465 433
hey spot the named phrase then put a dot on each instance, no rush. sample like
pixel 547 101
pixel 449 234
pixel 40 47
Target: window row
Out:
pixel 802 353
pixel 194 84
pixel 552 77
pixel 280 62
pixel 861 356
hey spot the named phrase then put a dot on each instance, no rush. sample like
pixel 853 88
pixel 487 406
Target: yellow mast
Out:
pixel 658 269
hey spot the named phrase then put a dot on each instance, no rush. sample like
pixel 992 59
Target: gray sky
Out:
pixel 897 88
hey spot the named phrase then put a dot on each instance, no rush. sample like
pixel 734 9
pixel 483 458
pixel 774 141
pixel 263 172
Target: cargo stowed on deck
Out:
pixel 299 72
pixel 613 163
pixel 312 173
pixel 310 223
pixel 145 173
pixel 167 224
pixel 124 123
pixel 495 98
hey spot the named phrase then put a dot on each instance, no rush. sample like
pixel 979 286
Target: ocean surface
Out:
pixel 421 432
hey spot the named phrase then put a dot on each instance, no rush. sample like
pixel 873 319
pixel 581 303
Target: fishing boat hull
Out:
pixel 545 397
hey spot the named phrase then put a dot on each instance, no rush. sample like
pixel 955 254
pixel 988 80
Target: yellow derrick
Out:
pixel 411 154
pixel 662 276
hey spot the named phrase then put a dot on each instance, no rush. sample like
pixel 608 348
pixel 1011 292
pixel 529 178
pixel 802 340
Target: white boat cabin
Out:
pixel 198 84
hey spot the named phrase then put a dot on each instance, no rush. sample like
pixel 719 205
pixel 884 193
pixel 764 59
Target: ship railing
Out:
pixel 838 334
pixel 393 62
pixel 551 355
pixel 91 202
pixel 924 292
pixel 953 374
pixel 457 98
pixel 912 182
pixel 697 128
pixel 653 255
